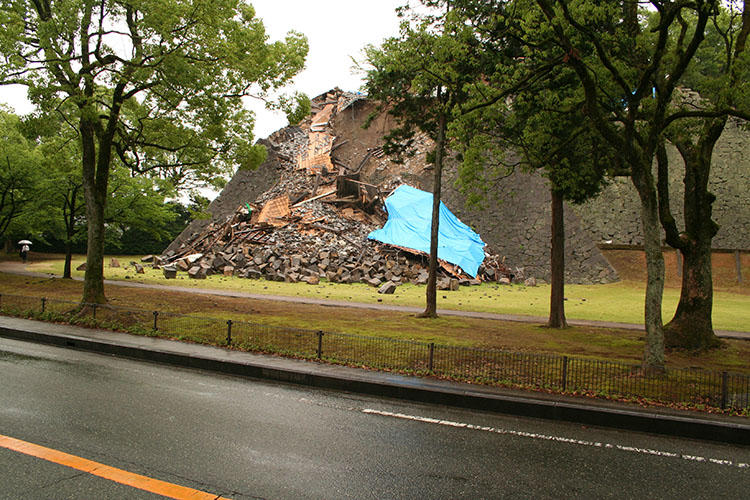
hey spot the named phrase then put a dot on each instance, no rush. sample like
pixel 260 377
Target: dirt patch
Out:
pixel 631 266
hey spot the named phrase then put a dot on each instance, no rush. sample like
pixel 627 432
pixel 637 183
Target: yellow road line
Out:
pixel 105 471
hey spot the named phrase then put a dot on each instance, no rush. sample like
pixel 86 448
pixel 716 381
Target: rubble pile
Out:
pixel 313 223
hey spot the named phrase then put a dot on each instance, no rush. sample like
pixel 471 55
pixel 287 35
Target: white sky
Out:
pixel 336 30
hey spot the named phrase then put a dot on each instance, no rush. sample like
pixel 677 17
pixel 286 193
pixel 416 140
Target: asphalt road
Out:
pixel 252 439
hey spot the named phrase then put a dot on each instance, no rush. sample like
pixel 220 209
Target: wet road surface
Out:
pixel 243 438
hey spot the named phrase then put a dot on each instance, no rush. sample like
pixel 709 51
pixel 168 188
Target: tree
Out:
pixel 157 83
pixel 650 66
pixel 136 203
pixel 20 179
pixel 528 118
pixel 142 241
pixel 719 74
pixel 629 80
pixel 553 137
pixel 133 202
pixel 420 78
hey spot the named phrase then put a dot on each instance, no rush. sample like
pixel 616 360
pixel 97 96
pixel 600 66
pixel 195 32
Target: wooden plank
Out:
pixel 329 193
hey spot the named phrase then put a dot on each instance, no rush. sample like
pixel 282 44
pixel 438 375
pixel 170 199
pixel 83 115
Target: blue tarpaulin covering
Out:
pixel 409 222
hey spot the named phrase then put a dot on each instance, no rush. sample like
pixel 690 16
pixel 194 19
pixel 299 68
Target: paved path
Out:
pixel 19 268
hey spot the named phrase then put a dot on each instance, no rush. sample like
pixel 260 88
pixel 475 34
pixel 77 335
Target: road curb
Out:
pixel 409 388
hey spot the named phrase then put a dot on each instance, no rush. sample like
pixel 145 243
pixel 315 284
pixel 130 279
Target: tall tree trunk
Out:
pixel 69 216
pixel 93 281
pixel 96 164
pixel 431 294
pixel 67 274
pixel 692 326
pixel 653 355
pixel 557 264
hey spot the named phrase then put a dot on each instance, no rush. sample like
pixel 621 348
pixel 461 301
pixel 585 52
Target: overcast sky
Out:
pixel 336 30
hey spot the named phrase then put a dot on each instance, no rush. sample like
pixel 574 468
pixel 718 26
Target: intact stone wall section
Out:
pixel 615 215
pixel 515 222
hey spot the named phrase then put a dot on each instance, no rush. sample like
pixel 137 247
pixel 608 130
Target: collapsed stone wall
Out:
pixel 313 221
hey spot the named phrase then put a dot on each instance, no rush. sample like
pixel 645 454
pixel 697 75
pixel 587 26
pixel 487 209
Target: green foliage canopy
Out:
pixel 158 83
pixel 20 179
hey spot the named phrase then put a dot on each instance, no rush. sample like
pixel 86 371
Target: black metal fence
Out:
pixel 556 373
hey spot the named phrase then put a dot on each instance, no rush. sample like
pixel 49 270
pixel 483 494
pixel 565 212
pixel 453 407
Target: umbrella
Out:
pixel 24 242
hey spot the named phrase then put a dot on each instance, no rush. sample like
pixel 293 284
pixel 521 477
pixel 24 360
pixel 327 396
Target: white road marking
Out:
pixel 558 439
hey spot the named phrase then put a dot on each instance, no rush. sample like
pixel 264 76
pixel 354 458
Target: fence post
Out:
pixel 724 390
pixel 432 356
pixel 156 315
pixel 565 373
pixel 229 332
pixel 738 263
pixel 320 343
pixel 44 304
pixel 94 308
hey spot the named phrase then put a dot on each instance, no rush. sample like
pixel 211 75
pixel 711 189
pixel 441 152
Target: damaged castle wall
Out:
pixel 245 186
pixel 513 221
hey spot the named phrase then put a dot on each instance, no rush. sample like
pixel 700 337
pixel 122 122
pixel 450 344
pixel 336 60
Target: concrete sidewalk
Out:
pixel 523 403
pixel 18 268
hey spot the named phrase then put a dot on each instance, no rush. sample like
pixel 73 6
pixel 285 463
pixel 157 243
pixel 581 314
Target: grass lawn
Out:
pixel 617 302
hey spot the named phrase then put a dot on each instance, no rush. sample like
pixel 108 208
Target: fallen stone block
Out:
pixel 114 262
pixel 240 260
pixel 218 263
pixel 147 258
pixel 139 269
pixel 374 282
pixel 228 271
pixel 387 288
pixel 311 280
pixel 292 277
pixel 197 273
pixel 170 273
pixel 530 281
pixel 251 274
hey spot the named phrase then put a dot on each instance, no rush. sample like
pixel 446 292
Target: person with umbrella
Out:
pixel 24 249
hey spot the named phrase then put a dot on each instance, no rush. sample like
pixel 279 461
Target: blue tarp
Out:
pixel 409 222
